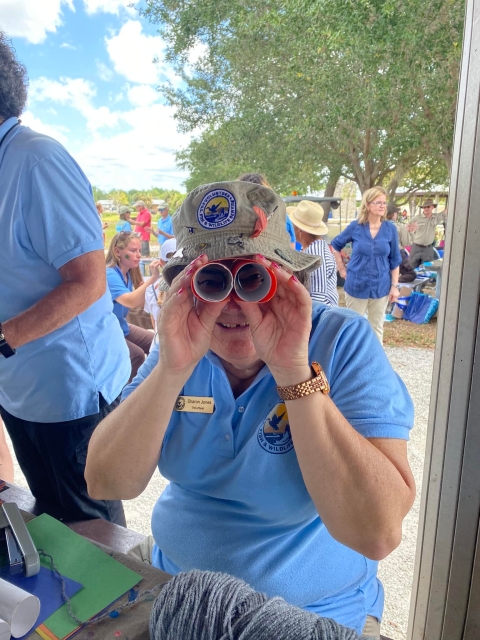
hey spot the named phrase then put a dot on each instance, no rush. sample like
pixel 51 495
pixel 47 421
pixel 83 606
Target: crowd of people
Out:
pixel 259 399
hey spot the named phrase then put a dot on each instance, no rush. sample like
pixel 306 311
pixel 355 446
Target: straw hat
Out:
pixel 308 216
pixel 231 220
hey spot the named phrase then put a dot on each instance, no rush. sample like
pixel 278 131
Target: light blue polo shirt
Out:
pixel 165 224
pixel 117 287
pixel 237 501
pixel 47 218
pixel 123 225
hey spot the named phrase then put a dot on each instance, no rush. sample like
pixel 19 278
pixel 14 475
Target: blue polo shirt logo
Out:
pixel 274 435
pixel 217 209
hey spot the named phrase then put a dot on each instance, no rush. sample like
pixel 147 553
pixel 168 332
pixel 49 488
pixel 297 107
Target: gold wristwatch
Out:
pixel 318 383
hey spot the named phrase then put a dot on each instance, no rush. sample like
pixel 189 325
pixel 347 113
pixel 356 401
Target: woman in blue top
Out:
pixel 372 276
pixel 127 289
pixel 124 223
pixel 298 491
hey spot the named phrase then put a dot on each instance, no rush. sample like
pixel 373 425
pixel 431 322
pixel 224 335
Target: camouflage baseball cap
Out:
pixel 234 219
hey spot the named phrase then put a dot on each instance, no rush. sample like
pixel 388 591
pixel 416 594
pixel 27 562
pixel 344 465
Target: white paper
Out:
pixel 4 630
pixel 18 609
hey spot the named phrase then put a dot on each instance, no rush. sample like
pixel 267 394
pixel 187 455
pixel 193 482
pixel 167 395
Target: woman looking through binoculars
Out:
pixel 272 419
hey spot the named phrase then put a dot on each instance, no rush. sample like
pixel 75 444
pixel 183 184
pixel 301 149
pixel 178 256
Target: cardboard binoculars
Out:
pixel 239 280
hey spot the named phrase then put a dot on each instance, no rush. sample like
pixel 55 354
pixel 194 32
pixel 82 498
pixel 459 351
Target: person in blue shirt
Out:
pixel 371 280
pixel 274 478
pixel 63 359
pixel 124 223
pixel 127 288
pixel 164 230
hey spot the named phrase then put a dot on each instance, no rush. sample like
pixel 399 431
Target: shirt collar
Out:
pixel 7 125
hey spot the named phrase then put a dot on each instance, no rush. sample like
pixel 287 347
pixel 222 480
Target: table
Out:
pixel 116 541
pixel 99 531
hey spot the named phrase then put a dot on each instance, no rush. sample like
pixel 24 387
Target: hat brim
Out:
pixel 315 231
pixel 422 206
pixel 297 262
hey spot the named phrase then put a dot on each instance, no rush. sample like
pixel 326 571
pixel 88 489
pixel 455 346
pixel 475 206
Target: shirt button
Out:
pixel 227 437
pixel 241 409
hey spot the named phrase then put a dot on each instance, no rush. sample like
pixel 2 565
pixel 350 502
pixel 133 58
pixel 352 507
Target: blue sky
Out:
pixel 93 88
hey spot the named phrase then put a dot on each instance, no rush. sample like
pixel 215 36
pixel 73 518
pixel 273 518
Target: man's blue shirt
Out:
pixel 237 501
pixel 165 224
pixel 48 218
pixel 117 287
pixel 372 260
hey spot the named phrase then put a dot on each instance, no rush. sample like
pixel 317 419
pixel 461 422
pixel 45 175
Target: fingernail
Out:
pixel 191 270
pixel 180 291
pixel 259 255
pixel 202 255
pixel 295 279
pixel 275 265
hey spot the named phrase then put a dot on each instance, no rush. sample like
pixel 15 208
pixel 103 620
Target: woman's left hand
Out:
pixel 281 327
pixel 394 294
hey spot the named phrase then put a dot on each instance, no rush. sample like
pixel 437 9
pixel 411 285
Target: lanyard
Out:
pixel 6 134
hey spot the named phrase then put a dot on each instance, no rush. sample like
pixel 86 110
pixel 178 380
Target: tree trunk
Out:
pixel 333 178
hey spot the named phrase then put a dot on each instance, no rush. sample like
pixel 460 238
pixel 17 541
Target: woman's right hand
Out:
pixel 185 331
pixel 343 273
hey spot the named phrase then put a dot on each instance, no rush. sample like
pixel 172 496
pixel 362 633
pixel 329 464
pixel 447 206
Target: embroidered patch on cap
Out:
pixel 217 209
pixel 274 434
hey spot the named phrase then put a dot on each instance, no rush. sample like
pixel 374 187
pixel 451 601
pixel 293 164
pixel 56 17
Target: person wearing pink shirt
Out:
pixel 144 219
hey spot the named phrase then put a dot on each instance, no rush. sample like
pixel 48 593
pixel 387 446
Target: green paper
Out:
pixel 104 579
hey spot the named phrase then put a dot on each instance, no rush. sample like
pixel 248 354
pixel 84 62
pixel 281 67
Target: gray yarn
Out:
pixel 203 605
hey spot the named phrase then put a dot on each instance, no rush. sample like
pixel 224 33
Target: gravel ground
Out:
pixel 396 572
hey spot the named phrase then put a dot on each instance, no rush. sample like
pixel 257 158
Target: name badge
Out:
pixel 194 404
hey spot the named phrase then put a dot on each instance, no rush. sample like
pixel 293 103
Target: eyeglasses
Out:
pixel 378 203
pixel 244 280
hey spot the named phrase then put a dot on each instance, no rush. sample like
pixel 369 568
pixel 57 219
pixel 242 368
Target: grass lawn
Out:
pixel 402 333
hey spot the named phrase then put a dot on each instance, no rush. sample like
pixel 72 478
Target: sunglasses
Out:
pixel 244 280
pixel 124 234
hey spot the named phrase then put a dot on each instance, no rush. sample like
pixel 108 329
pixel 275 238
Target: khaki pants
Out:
pixel 371 628
pixel 373 307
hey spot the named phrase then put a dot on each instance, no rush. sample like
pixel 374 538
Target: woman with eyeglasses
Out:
pixel 371 280
pixel 127 289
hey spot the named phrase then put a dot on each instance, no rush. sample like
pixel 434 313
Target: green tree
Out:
pixel 119 197
pixel 363 89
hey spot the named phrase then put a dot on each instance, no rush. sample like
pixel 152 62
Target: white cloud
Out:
pixel 138 158
pixel 104 72
pixel 142 94
pixel 139 153
pixel 32 19
pixel 108 6
pixel 132 53
pixel 58 132
pixel 66 45
pixel 75 92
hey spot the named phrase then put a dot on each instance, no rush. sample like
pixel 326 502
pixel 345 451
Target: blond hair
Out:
pixel 121 241
pixel 369 196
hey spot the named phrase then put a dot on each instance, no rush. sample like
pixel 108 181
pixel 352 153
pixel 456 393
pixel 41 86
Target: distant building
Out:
pixel 108 205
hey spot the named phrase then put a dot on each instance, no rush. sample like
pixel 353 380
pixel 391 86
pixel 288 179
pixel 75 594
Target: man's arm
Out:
pixel 84 282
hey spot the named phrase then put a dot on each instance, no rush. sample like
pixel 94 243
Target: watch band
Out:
pixel 318 383
pixel 5 349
